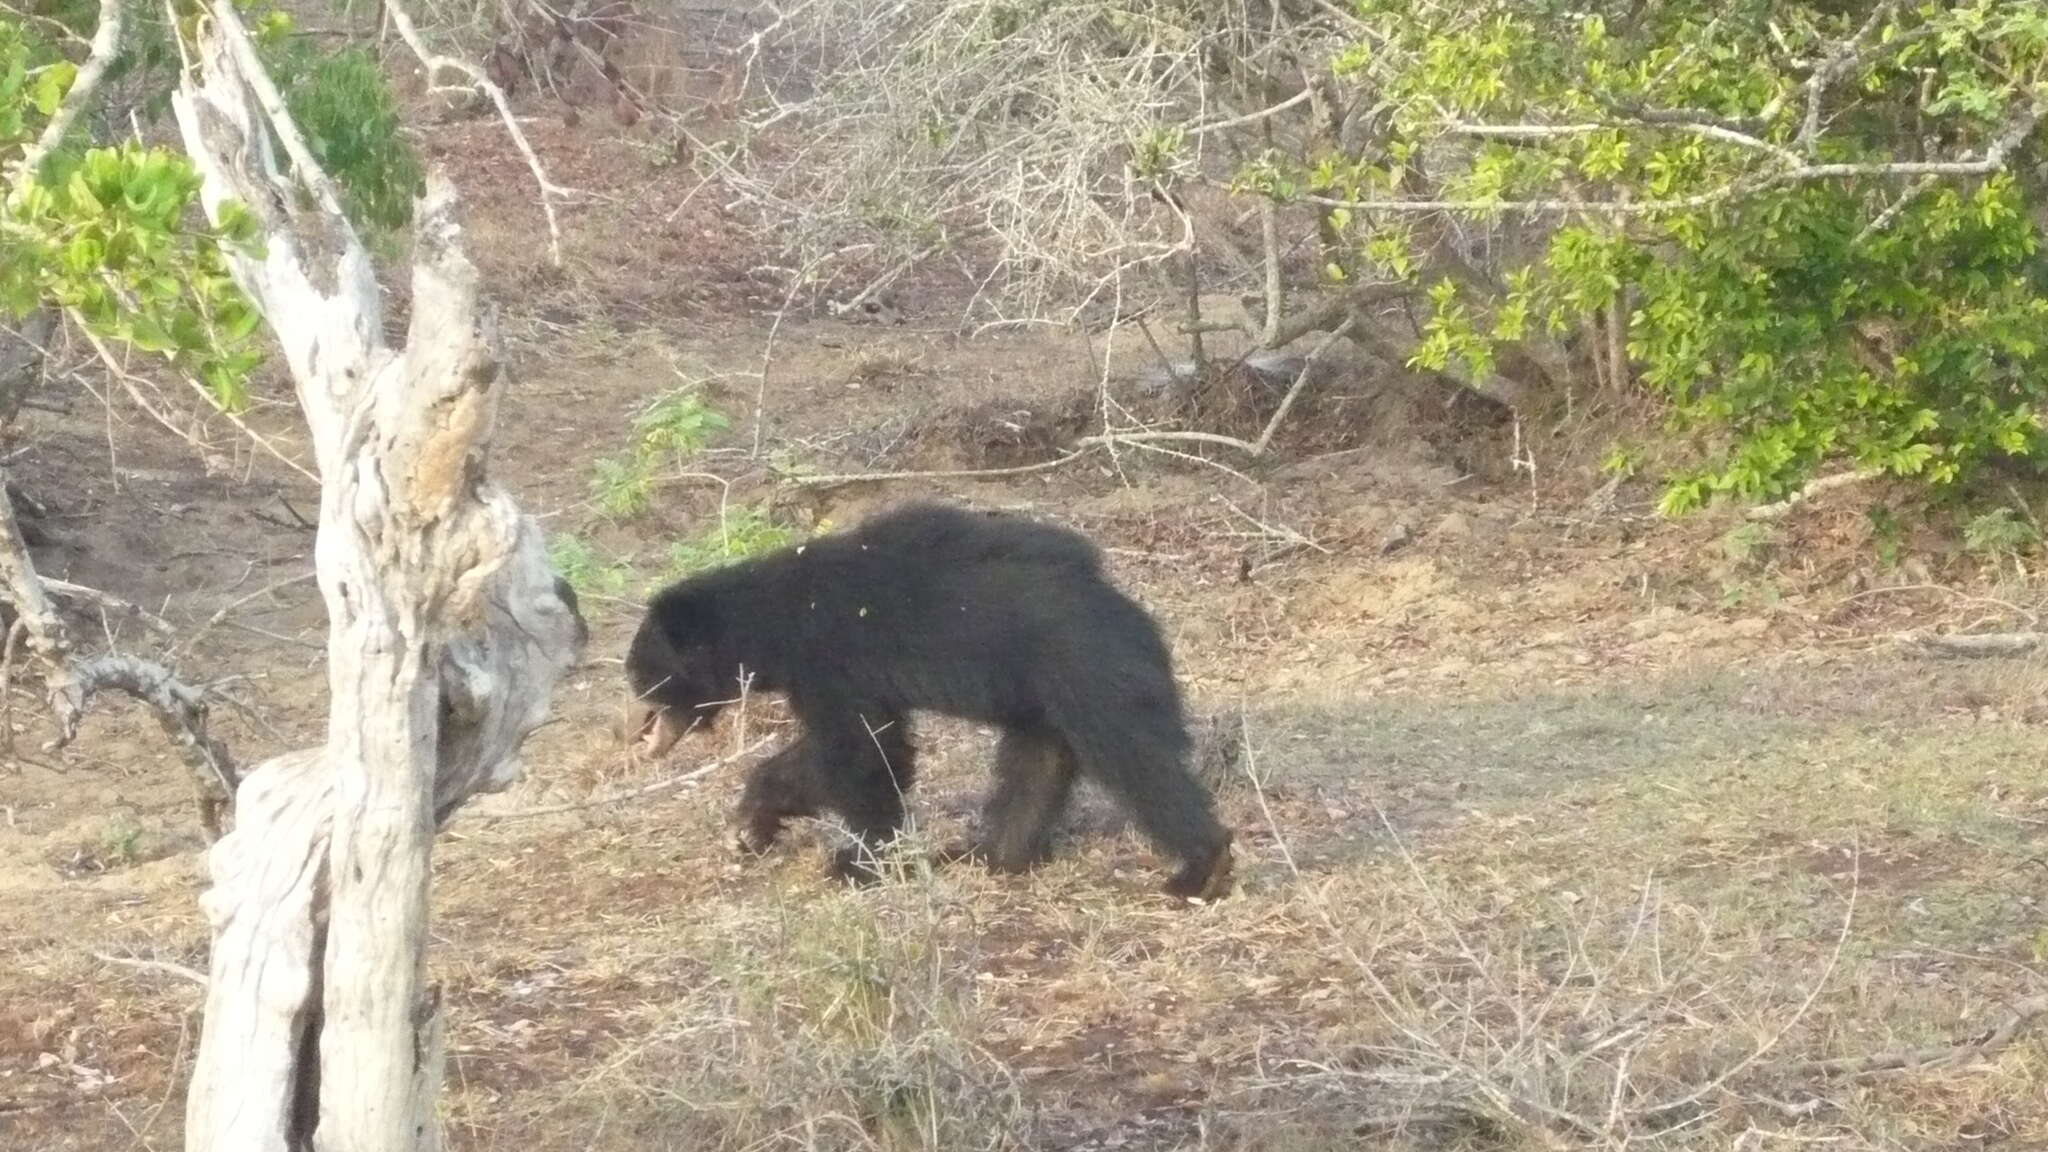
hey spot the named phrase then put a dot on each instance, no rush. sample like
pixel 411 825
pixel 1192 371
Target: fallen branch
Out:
pixel 111 603
pixel 1308 364
pixel 1813 488
pixel 2023 1014
pixel 1346 303
pixel 1141 439
pixel 228 609
pixel 163 966
pixel 1111 439
pixel 1977 644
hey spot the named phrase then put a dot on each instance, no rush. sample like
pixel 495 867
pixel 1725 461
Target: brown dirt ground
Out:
pixel 1544 702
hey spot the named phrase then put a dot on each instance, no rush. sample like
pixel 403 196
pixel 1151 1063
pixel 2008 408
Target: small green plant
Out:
pixel 679 424
pixel 623 486
pixel 1621 460
pixel 1748 545
pixel 666 434
pixel 743 532
pixel 584 569
pixel 1743 594
pixel 1888 534
pixel 120 843
pixel 1999 536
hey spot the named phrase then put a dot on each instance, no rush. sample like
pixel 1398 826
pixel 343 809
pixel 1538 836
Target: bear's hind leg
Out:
pixel 1141 757
pixel 1034 773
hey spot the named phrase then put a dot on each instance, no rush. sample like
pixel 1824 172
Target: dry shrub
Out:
pixel 840 1024
pixel 1005 432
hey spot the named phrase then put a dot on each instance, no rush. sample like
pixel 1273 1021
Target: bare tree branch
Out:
pixel 106 42
pixel 1334 309
pixel 71 682
pixel 2018 1018
pixel 823 481
pixel 1718 132
pixel 1979 643
pixel 1816 487
pixel 67 590
pixel 1993 159
pixel 1838 62
pixel 1301 97
pixel 436 63
pixel 666 784
pixel 1308 365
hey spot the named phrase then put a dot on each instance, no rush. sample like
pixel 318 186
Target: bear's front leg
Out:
pixel 782 788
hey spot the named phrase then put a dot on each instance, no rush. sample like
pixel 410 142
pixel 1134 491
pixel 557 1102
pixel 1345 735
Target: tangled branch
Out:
pixel 71 682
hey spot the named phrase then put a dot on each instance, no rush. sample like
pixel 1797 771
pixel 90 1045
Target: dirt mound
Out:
pixel 1007 432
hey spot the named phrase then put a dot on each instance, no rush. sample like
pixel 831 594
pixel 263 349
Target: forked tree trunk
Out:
pixel 447 632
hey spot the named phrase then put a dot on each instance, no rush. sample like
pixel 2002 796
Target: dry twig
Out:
pixel 163 966
pixel 2022 1015
pixel 668 784
pixel 1813 488
pixel 1977 644
pixel 436 63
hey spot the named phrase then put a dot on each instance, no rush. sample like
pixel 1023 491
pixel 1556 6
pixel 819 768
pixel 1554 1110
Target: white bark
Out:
pixel 446 636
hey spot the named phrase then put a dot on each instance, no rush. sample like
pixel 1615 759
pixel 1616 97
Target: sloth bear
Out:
pixel 987 617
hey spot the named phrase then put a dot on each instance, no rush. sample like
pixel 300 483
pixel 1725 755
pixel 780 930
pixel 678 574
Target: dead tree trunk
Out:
pixel 447 632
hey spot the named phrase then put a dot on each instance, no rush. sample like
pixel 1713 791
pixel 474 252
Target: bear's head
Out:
pixel 678 674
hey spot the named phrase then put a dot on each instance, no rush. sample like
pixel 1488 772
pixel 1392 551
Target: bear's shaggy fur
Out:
pixel 987 617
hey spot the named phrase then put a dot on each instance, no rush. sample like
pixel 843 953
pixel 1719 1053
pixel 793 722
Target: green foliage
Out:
pixel 1157 155
pixel 1919 351
pixel 678 425
pixel 120 843
pixel 621 487
pixel 585 569
pixel 113 234
pixel 1999 534
pixel 106 234
pixel 345 108
pixel 1786 323
pixel 1888 534
pixel 665 436
pixel 740 533
pixel 1748 545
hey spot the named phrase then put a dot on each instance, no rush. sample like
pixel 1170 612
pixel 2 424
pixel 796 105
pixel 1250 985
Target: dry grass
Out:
pixel 1619 917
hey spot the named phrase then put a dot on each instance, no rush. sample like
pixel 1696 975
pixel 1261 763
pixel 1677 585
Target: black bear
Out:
pixel 987 617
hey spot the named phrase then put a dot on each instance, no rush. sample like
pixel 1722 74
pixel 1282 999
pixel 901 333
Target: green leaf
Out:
pixel 145 333
pixel 51 85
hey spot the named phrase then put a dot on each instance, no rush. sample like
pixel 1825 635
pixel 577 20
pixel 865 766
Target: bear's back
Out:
pixel 931 533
